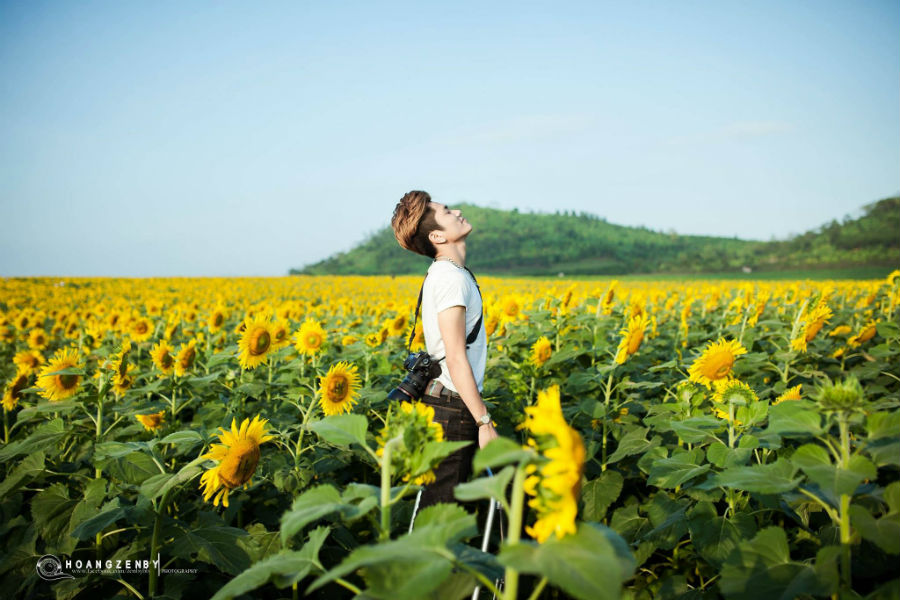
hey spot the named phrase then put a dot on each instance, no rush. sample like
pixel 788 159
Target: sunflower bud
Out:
pixel 846 396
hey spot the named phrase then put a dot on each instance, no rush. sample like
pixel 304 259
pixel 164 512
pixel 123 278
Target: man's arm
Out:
pixel 452 324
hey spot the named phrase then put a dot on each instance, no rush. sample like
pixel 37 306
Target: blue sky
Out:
pixel 233 138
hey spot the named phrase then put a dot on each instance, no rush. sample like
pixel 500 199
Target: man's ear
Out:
pixel 436 236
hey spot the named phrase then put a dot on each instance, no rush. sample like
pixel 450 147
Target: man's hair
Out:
pixel 413 220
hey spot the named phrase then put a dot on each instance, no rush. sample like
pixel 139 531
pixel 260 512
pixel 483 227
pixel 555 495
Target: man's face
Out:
pixel 454 227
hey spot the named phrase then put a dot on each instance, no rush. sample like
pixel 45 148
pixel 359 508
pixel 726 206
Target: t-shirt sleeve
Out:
pixel 449 290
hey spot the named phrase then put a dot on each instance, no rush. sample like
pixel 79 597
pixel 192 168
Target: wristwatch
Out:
pixel 485 419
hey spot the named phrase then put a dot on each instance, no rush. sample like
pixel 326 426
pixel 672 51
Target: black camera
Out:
pixel 421 369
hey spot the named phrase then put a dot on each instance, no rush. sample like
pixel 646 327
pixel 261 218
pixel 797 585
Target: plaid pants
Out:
pixel 459 425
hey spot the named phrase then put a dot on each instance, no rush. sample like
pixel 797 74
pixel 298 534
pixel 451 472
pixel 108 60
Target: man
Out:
pixel 451 310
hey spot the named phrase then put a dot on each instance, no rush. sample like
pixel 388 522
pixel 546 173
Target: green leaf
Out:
pixel 883 425
pixel 592 564
pixel 211 541
pixel 183 438
pixel 888 329
pixel 678 469
pixel 795 419
pixel 324 500
pixel 133 468
pixel 816 463
pixel 282 569
pixel 106 450
pixel 598 494
pixel 432 454
pixel 773 478
pixel 722 456
pixel 761 568
pixel 112 512
pixel 26 471
pixel 156 486
pixel 884 531
pixel 44 437
pixel 715 537
pixel 697 429
pixel 498 453
pixel 342 430
pixel 667 516
pixel 628 523
pixel 633 442
pixel 51 511
pixel 486 487
pixel 414 565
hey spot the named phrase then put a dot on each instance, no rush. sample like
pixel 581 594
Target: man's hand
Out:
pixel 486 433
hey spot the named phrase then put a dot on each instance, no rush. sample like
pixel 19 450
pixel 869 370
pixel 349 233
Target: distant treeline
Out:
pixel 508 242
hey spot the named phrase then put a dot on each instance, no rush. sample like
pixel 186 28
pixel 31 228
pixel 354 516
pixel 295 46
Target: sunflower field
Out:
pixel 232 438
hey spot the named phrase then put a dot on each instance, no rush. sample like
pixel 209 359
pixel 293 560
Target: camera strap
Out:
pixel 475 330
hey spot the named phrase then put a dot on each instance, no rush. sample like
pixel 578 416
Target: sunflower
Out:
pixel 280 333
pixel 510 308
pixel 840 330
pixel 256 342
pixel 715 362
pixel 865 334
pixel 733 391
pixel 153 421
pixel 141 329
pixel 605 305
pixel 555 484
pixel 813 322
pixel 237 456
pixel 310 338
pixel 789 394
pixel 373 340
pixel 348 340
pixel 338 388
pixel 28 361
pixel 415 427
pixel 185 359
pixel 216 319
pixel 14 391
pixel 541 351
pixel 162 357
pixel 397 325
pixel 37 339
pixel 59 386
pixel 632 336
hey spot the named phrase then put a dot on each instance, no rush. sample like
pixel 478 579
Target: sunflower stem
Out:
pixel 607 396
pixel 385 533
pixel 154 541
pixel 515 527
pixel 5 427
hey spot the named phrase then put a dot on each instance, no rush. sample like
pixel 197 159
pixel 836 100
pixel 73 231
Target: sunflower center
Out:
pixel 338 389
pixel 812 329
pixel 719 365
pixel 68 381
pixel 239 464
pixel 634 341
pixel 141 327
pixel 166 360
pixel 217 320
pixel 188 359
pixel 261 343
pixel 312 340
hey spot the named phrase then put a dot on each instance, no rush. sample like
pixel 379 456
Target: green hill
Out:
pixel 515 243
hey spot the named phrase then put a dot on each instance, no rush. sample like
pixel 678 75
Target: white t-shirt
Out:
pixel 447 285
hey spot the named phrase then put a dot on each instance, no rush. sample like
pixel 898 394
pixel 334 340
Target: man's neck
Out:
pixel 455 252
